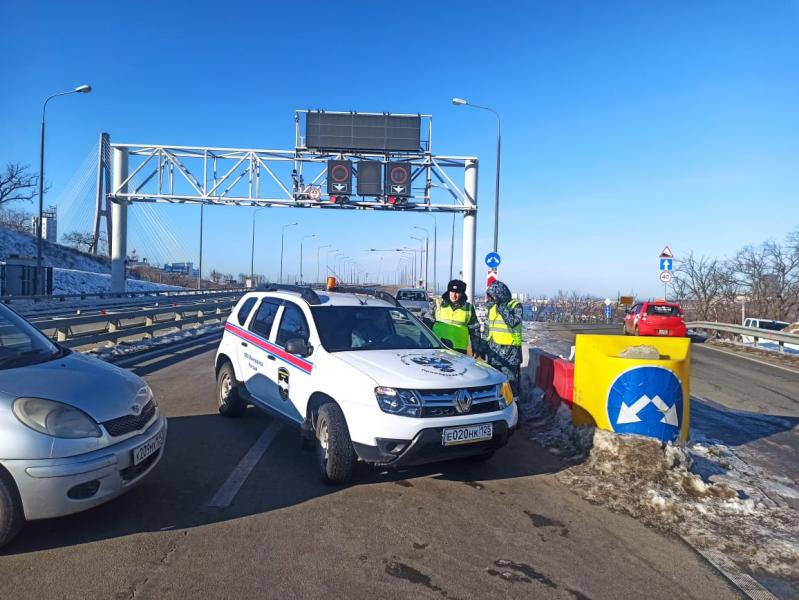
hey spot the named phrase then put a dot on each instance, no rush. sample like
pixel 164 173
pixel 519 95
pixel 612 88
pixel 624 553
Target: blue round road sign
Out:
pixel 492 260
pixel 647 401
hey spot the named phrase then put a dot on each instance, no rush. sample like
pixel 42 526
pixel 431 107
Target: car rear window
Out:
pixel 663 310
pixel 773 325
pixel 411 295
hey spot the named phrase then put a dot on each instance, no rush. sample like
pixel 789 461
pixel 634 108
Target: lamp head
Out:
pixel 459 101
pixel 83 89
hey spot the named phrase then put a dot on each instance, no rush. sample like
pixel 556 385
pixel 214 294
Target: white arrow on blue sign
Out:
pixel 492 260
pixel 648 401
pixel 666 264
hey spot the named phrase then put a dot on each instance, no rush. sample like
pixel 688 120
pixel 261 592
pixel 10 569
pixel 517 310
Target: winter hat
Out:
pixel 456 285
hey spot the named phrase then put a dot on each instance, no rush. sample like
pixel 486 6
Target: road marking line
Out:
pixel 762 362
pixel 225 495
pixel 730 570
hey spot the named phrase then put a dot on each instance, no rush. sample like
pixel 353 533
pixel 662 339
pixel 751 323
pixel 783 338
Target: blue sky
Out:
pixel 626 125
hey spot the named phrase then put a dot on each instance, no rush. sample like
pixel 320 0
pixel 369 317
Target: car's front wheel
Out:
pixel 227 391
pixel 334 449
pixel 12 517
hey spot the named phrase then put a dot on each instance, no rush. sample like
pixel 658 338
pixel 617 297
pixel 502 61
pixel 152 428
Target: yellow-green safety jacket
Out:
pixel 498 330
pixel 452 323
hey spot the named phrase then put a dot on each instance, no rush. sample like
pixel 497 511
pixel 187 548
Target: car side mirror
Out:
pixel 447 343
pixel 299 347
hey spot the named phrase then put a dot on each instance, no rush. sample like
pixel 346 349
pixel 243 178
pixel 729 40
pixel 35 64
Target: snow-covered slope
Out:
pixel 54 255
pixel 73 272
pixel 71 281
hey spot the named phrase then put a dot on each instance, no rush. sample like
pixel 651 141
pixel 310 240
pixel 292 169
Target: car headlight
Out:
pixel 145 395
pixel 505 395
pixel 398 402
pixel 55 419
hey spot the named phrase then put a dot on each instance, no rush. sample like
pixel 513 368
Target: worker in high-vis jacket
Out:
pixel 455 318
pixel 504 333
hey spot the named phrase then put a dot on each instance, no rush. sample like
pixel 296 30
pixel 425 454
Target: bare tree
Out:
pixel 782 280
pixel 81 240
pixel 699 280
pixel 18 220
pixel 16 183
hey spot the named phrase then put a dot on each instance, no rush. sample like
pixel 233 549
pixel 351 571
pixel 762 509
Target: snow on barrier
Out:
pixel 553 375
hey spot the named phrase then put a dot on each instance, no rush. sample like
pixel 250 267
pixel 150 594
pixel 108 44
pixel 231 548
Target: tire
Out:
pixel 227 393
pixel 334 450
pixel 12 517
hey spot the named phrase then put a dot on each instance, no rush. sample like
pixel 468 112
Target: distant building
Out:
pixel 135 262
pixel 49 225
pixel 184 268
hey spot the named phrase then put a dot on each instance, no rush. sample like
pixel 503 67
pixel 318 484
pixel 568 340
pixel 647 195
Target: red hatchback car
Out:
pixel 655 318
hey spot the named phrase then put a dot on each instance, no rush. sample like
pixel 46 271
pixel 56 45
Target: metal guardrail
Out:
pixel 114 325
pixel 753 332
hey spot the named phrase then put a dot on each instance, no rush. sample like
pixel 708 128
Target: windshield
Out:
pixel 344 328
pixel 21 344
pixel 417 295
pixel 664 310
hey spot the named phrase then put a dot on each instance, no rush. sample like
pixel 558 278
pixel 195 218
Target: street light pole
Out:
pixel 303 238
pixel 252 252
pixel 318 248
pixel 435 252
pixel 327 260
pixel 38 285
pixel 282 237
pixel 426 256
pixel 421 256
pixel 462 102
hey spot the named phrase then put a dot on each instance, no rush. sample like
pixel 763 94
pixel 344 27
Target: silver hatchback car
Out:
pixel 74 431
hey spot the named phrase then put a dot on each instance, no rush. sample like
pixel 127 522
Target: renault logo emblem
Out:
pixel 135 409
pixel 463 401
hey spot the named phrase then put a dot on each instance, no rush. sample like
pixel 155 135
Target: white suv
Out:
pixel 361 377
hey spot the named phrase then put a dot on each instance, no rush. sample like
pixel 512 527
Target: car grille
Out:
pixel 130 423
pixel 442 403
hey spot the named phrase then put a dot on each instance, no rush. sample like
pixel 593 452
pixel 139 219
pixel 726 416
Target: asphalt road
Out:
pixel 504 529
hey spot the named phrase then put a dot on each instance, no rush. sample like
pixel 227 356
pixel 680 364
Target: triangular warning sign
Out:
pixel 666 253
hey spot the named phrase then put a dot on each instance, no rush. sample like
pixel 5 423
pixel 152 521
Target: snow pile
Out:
pixel 642 351
pixel 702 492
pixel 72 281
pixel 658 485
pixel 134 347
pixel 553 429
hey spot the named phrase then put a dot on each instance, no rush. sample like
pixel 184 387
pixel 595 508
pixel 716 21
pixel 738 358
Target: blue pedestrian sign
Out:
pixel 492 260
pixel 646 401
pixel 608 312
pixel 666 264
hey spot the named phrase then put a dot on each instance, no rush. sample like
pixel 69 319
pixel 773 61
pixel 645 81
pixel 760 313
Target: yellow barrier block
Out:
pixel 645 396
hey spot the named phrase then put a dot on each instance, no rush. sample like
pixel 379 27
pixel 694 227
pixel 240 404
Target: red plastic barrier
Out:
pixel 563 380
pixel 545 373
